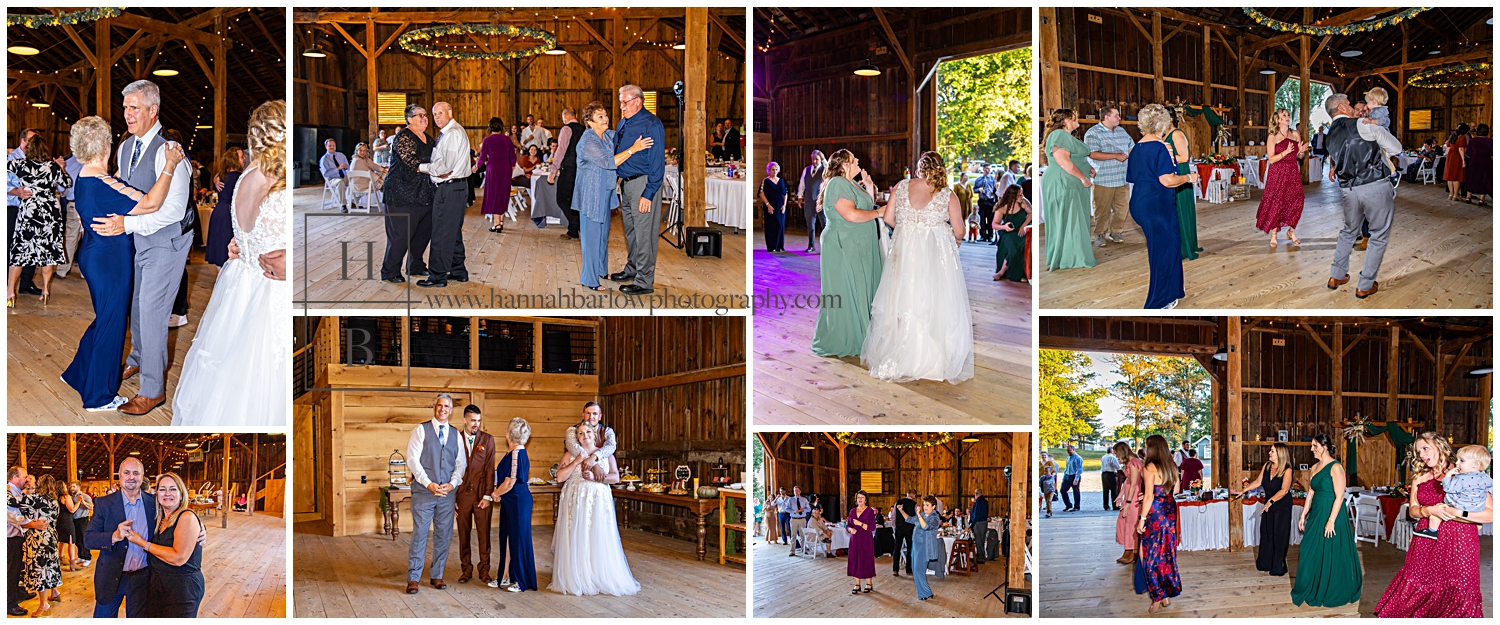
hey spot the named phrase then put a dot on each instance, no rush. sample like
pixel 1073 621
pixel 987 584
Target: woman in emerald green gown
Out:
pixel 1187 204
pixel 1328 568
pixel 1065 195
pixel 849 268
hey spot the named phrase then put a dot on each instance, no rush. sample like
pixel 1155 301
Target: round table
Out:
pixel 1203 525
pixel 840 537
pixel 544 198
pixel 728 196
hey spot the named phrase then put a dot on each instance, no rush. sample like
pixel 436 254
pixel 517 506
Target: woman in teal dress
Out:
pixel 1187 204
pixel 1011 218
pixel 849 268
pixel 1328 568
pixel 1065 195
pixel 926 548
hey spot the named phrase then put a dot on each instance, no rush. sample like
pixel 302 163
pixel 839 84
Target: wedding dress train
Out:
pixel 587 555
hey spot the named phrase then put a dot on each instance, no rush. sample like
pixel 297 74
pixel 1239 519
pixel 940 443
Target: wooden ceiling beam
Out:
pixel 54 79
pixel 1338 20
pixel 491 17
pixel 890 34
pixel 724 26
pixel 275 41
pixel 178 31
pixel 1467 56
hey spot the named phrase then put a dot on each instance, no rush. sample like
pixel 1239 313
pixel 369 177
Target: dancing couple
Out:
pixel 426 193
pixel 150 548
pixel 904 312
pixel 233 373
pixel 588 558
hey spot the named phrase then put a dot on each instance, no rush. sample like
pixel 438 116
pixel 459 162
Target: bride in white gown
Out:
pixel 235 374
pixel 920 324
pixel 588 558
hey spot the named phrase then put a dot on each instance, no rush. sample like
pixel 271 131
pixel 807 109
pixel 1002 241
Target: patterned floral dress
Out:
pixel 38 237
pixel 1281 206
pixel 1158 556
pixel 39 550
pixel 1440 578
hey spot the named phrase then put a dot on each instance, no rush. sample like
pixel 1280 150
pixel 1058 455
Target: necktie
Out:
pixel 135 157
pixel 442 435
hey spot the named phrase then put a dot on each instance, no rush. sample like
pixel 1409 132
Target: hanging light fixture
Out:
pixel 164 72
pixel 1221 355
pixel 1351 53
pixel 23 50
pixel 1480 371
pixel 203 127
pixel 315 52
pixel 1434 52
pixel 1268 72
pixel 555 52
pixel 970 439
pixel 807 446
pixel 40 104
pixel 679 46
pixel 868 69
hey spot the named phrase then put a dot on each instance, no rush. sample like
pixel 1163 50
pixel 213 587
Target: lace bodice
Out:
pixel 933 215
pixel 270 232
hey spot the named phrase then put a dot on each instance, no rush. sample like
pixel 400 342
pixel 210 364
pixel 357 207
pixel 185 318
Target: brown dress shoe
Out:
pixel 411 588
pixel 1374 288
pixel 127 371
pixel 1334 283
pixel 437 582
pixel 464 578
pixel 141 404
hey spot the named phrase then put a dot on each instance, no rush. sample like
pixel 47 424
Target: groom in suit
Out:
pixel 162 241
pixel 120 572
pixel 437 464
pixel 592 413
pixel 479 480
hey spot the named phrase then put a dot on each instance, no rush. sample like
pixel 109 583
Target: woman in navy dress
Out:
pixel 512 474
pixel 773 202
pixel 95 370
pixel 1153 205
pixel 220 231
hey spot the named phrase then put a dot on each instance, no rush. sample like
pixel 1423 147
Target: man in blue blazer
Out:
pixel 120 572
pixel 979 522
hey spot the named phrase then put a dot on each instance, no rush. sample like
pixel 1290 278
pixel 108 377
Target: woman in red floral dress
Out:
pixel 1440 578
pixel 1281 205
pixel 1158 527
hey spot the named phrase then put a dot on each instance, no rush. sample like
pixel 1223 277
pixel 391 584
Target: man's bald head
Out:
pixel 132 474
pixel 442 113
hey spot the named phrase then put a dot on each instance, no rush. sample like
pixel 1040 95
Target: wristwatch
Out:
pixel 1465 514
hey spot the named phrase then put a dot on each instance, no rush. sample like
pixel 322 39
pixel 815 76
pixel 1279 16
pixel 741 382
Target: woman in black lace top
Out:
pixel 408 192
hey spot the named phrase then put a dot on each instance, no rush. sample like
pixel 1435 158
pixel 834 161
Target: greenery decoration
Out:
pixel 1430 78
pixel 1347 29
pixel 852 438
pixel 417 41
pixel 66 18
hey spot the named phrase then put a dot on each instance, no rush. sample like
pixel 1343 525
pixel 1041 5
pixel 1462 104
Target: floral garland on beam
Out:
pixel 1347 29
pixel 66 18
pixel 1424 78
pixel 849 438
pixel 414 41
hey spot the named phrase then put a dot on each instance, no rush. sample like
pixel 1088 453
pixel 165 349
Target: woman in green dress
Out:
pixel 1012 216
pixel 849 267
pixel 1187 205
pixel 1328 569
pixel 1065 195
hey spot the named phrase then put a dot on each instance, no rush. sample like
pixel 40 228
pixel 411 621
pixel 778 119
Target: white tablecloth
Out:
pixel 1251 524
pixel 1401 533
pixel 544 198
pixel 1204 527
pixel 840 538
pixel 1315 169
pixel 729 196
pixel 1406 161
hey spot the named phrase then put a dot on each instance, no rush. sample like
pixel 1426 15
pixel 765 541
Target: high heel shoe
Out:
pixel 45 296
pixel 10 302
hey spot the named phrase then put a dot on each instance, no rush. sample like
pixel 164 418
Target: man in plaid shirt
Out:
pixel 1109 146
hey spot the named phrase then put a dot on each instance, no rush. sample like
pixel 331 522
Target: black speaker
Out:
pixel 704 242
pixel 1017 601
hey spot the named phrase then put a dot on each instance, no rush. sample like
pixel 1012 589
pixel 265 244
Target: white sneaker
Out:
pixel 109 407
pixel 1170 306
pixel 176 321
pixel 1099 240
pixel 494 583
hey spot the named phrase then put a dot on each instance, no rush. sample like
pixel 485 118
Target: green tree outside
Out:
pixel 1068 400
pixel 983 109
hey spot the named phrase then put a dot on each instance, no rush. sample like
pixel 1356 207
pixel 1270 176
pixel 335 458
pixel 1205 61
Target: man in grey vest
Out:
pixel 162 240
pixel 435 458
pixel 810 189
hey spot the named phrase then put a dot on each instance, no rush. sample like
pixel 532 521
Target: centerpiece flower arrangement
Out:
pixel 1218 160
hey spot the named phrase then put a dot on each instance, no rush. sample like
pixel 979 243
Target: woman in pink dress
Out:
pixel 1128 501
pixel 1281 205
pixel 497 155
pixel 1440 578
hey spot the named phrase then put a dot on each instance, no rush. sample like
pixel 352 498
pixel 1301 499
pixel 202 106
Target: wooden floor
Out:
pixel 1079 578
pixel 244 573
pixel 522 261
pixel 365 577
pixel 795 387
pixel 1440 255
pixel 43 341
pixel 819 588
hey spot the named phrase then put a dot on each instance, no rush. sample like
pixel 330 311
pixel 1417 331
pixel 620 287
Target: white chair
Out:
pixel 520 199
pixel 1427 171
pixel 1369 521
pixel 809 543
pixel 333 187
pixel 367 201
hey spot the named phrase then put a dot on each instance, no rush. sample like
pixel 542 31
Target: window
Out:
pixel 872 482
pixel 649 101
pixel 391 108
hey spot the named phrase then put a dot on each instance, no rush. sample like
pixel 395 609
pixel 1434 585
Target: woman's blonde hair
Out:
pixel 1283 458
pixel 267 140
pixel 1154 120
pixel 931 168
pixel 1058 117
pixel 585 427
pixel 835 168
pixel 90 138
pixel 1122 451
pixel 182 505
pixel 1276 119
pixel 1437 441
pixel 519 431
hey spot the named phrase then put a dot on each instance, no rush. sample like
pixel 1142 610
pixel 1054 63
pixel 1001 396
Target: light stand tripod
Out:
pixel 672 232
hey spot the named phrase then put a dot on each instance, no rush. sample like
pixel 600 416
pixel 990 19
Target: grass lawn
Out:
pixel 1090 458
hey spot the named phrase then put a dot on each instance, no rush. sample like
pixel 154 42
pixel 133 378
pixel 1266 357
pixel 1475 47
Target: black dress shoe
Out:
pixel 631 289
pixel 457 278
pixel 417 273
pixel 16 610
pixel 395 280
pixel 617 277
pixel 33 290
pixel 432 282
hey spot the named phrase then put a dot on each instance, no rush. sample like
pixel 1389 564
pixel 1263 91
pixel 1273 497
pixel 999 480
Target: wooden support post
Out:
pixel 1158 83
pixel 617 43
pixel 958 469
pixel 1440 360
pixel 694 162
pixel 1399 119
pixel 372 85
pixel 1208 81
pixel 72 456
pixel 843 463
pixel 1305 94
pixel 103 91
pixel 1239 94
pixel 1393 375
pixel 1483 432
pixel 21 446
pixel 255 472
pixel 1337 354
pixel 224 484
pixel 221 86
pixel 1051 72
pixel 1020 507
pixel 1235 459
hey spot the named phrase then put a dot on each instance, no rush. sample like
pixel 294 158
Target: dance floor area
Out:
pixel 365 577
pixel 793 386
pixel 1079 578
pixel 244 573
pixel 523 267
pixel 43 341
pixel 788 587
pixel 1440 255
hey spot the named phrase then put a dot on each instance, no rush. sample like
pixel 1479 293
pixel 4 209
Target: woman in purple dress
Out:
pixel 1157 526
pixel 1281 205
pixel 497 157
pixel 861 523
pixel 1478 180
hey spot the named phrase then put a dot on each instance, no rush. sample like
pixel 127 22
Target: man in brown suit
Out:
pixel 479 480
